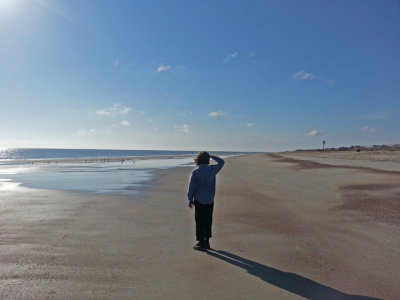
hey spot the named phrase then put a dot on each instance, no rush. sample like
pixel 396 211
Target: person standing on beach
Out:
pixel 201 193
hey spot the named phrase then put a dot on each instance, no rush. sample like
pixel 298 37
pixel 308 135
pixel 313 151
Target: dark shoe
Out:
pixel 207 245
pixel 199 247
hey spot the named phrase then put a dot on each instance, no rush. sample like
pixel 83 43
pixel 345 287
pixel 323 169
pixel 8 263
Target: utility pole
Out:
pixel 323 145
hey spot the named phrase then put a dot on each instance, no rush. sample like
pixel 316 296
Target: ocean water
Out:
pixel 51 154
pixel 124 177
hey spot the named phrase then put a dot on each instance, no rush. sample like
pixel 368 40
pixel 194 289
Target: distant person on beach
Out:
pixel 201 194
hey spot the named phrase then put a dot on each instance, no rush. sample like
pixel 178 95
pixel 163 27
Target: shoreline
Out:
pixel 276 227
pixel 89 160
pixel 93 176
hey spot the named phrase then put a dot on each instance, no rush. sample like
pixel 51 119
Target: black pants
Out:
pixel 203 215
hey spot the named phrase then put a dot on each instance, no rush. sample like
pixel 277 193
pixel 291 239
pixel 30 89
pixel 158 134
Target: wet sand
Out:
pixel 284 228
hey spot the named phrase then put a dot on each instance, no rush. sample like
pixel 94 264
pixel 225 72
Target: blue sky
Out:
pixel 193 75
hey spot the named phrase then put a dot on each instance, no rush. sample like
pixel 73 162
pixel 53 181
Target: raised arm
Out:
pixel 220 163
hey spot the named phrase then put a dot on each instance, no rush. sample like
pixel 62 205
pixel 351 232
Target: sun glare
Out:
pixel 7 6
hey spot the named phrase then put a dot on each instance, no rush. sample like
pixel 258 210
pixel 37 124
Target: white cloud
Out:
pixel 163 67
pixel 125 110
pixel 329 82
pixel 368 129
pixel 116 63
pixel 376 116
pixel 113 110
pixel 217 114
pixel 180 67
pixel 187 114
pixel 315 132
pixel 302 75
pixel 230 57
pixel 184 128
pixel 249 125
pixel 83 132
pixel 124 123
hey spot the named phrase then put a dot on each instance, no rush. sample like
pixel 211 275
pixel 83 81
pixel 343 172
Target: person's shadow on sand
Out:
pixel 290 282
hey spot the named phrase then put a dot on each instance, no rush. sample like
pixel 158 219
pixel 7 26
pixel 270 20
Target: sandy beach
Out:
pixel 286 226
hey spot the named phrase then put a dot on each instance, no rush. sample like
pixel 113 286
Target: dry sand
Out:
pixel 283 229
pixel 379 159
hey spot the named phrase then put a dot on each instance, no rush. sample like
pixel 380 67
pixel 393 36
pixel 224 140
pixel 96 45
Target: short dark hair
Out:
pixel 203 158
